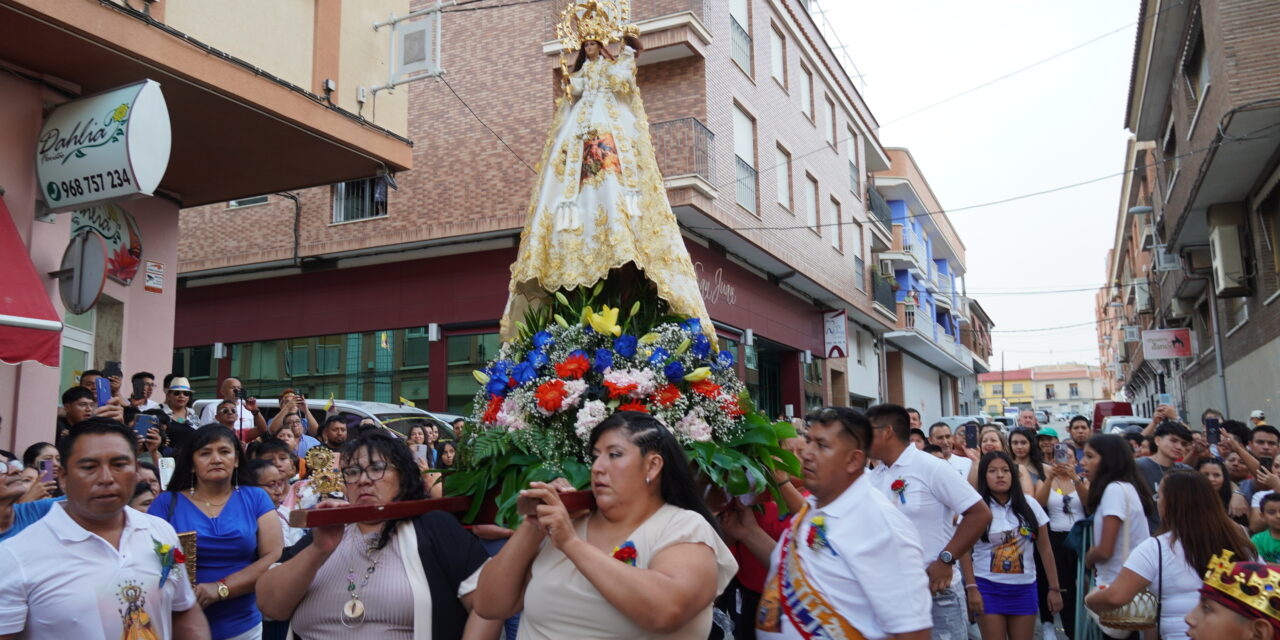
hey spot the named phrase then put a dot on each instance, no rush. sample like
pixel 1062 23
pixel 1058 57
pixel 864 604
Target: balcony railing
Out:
pixel 741 46
pixel 883 293
pixel 746 185
pixel 684 148
pixel 640 11
pixel 880 208
pixel 913 244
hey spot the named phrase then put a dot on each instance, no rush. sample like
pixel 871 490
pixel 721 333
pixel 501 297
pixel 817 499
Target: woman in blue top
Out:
pixel 237 537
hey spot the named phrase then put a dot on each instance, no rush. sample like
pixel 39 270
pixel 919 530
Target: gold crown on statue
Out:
pixel 1253 584
pixel 602 20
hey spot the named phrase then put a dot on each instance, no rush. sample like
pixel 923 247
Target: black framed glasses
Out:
pixel 375 471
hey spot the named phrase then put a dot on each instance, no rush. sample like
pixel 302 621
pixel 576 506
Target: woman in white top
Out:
pixel 1171 564
pixel 1004 592
pixel 1119 502
pixel 1063 495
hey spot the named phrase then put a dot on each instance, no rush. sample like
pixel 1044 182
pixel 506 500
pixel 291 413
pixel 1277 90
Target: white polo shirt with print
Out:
pixel 61 581
pixel 875 579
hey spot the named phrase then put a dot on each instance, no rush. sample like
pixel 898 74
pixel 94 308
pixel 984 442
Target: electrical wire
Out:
pixel 456 8
pixel 486 126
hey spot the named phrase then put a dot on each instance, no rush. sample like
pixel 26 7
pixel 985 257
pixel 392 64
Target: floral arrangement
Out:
pixel 540 397
pixel 899 487
pixel 625 553
pixel 169 556
pixel 817 538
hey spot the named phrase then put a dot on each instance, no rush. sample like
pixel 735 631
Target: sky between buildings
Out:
pixel 1059 123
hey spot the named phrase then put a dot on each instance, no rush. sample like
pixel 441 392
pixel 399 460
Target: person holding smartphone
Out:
pixel 1063 495
pixel 144 385
pixel 248 421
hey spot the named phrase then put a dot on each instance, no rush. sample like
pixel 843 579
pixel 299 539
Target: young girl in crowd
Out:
pixel 1171 565
pixel 1004 593
pixel 1023 449
pixel 1063 494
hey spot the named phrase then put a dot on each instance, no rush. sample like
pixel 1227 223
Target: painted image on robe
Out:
pixel 135 623
pixel 599 156
pixel 1007 556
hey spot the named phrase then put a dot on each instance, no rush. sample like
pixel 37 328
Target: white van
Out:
pixel 392 417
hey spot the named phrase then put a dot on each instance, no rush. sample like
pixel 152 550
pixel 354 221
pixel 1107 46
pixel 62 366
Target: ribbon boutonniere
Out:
pixel 817 538
pixel 169 555
pixel 626 553
pixel 1025 531
pixel 899 487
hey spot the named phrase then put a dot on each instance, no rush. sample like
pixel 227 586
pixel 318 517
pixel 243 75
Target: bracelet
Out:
pixel 971 586
pixel 1238 492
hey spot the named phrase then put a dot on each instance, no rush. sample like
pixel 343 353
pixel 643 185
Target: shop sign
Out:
pixel 836 333
pixel 1162 344
pixel 154 282
pixel 714 288
pixel 103 148
pixel 120 233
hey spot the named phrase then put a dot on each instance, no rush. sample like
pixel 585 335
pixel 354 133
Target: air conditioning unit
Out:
pixel 1229 276
pixel 1132 334
pixel 1166 261
pixel 886 268
pixel 1178 309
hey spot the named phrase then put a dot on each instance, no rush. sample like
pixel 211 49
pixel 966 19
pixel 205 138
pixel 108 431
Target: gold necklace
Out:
pixel 192 493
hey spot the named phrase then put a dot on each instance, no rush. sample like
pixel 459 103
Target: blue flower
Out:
pixel 701 346
pixel 659 356
pixel 674 371
pixel 538 359
pixel 497 386
pixel 625 345
pixel 524 372
pixel 500 369
pixel 693 325
pixel 604 359
pixel 542 340
pixel 724 360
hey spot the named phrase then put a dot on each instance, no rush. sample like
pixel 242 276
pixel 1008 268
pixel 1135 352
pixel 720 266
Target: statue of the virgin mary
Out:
pixel 600 203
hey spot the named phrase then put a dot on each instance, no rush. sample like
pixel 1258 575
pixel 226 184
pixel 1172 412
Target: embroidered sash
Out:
pixel 789 591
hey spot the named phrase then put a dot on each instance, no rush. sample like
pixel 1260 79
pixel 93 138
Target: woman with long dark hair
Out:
pixel 1195 528
pixel 212 493
pixel 649 561
pixel 1004 596
pixel 399 579
pixel 1215 471
pixel 1118 499
pixel 1062 495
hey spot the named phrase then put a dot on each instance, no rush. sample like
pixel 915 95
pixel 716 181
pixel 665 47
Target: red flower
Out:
pixel 491 412
pixel 634 405
pixel 706 388
pixel 619 390
pixel 573 367
pixel 898 485
pixel 550 395
pixel 813 534
pixel 731 408
pixel 666 395
pixel 626 552
pixel 178 557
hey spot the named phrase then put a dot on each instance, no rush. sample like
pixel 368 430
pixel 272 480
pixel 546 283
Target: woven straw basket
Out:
pixel 1140 613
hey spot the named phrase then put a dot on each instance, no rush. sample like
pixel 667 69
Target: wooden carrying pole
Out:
pixel 309 518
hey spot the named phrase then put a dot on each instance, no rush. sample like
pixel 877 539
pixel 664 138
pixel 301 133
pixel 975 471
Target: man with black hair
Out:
pixel 857 560
pixel 90 552
pixel 333 434
pixel 940 435
pixel 88 379
pixel 147 381
pixel 1172 441
pixel 1264 442
pixel 927 491
pixel 80 404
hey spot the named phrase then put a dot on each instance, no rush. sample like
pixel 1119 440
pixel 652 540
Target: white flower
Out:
pixel 694 427
pixel 590 415
pixel 510 415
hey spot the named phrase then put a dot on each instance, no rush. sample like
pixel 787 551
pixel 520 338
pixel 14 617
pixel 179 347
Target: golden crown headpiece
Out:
pixel 1252 584
pixel 605 21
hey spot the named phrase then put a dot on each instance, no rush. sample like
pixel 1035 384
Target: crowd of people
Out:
pixel 143 520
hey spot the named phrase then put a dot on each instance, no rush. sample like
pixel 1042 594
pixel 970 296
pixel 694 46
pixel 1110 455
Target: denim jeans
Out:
pixel 950 618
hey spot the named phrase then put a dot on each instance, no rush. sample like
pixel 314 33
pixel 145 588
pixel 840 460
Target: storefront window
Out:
pixel 466 354
pixel 417 347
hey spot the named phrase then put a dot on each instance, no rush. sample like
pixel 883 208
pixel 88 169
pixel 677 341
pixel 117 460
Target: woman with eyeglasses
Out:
pixel 16 514
pixel 237 533
pixel 404 579
pixel 1063 495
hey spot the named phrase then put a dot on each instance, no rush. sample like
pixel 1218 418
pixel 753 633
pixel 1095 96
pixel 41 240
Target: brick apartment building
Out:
pixel 765 145
pixel 260 97
pixel 1198 240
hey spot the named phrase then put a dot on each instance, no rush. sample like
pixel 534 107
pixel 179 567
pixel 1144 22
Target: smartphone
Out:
pixel 144 424
pixel 46 471
pixel 166 470
pixel 1061 453
pixel 140 389
pixel 102 386
pixel 1212 430
pixel 971 436
pixel 420 452
pixel 112 369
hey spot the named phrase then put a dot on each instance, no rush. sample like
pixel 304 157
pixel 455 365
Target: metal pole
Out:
pixel 1217 349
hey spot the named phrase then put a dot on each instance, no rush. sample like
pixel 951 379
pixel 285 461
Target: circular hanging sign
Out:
pixel 83 272
pixel 120 231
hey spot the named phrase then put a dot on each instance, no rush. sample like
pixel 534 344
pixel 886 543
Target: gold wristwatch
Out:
pixel 223 590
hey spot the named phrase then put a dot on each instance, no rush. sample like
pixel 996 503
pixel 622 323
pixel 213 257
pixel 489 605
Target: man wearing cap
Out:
pixel 1257 417
pixel 1228 611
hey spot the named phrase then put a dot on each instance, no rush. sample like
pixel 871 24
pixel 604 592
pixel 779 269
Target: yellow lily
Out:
pixel 684 346
pixel 649 338
pixel 563 300
pixel 480 376
pixel 701 373
pixel 560 321
pixel 605 322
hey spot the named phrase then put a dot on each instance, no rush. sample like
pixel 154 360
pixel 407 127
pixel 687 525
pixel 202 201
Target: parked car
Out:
pixel 392 417
pixel 1006 421
pixel 1107 408
pixel 1043 416
pixel 956 421
pixel 1120 425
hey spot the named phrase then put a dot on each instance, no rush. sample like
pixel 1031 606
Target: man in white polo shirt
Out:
pixel 930 493
pixel 93 568
pixel 940 434
pixel 851 563
pixel 248 423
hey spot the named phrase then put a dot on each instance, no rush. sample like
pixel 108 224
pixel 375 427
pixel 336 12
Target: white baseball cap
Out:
pixel 1257 414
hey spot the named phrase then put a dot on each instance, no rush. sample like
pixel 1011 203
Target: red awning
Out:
pixel 29 326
